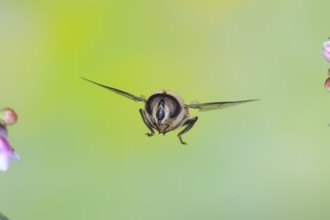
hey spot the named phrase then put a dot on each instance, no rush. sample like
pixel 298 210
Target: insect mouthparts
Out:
pixel 160 114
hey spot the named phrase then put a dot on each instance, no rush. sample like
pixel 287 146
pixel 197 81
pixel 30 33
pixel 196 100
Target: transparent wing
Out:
pixel 119 92
pixel 217 105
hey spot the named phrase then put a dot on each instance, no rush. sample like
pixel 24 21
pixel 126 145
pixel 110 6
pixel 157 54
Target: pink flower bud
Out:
pixel 327 84
pixel 325 51
pixel 8 116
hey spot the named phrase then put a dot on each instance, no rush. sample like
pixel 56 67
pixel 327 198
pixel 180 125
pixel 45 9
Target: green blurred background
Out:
pixel 83 151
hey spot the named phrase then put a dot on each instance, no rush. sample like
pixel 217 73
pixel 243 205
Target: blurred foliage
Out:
pixel 83 151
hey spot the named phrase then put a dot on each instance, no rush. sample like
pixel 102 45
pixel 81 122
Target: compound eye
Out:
pixel 172 104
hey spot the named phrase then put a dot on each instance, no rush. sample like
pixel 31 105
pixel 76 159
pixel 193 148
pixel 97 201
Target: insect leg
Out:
pixel 146 122
pixel 189 123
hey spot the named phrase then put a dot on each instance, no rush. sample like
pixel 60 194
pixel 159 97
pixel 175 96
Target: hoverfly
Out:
pixel 165 110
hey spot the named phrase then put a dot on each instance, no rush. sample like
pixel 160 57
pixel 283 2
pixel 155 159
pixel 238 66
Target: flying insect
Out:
pixel 166 111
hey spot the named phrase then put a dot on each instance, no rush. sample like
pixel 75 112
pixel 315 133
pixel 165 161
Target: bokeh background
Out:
pixel 83 151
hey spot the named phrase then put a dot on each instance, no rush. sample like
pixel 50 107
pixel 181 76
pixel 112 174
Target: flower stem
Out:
pixel 2 217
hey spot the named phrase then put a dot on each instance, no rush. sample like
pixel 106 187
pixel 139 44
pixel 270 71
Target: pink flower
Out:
pixel 327 84
pixel 325 51
pixel 6 154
